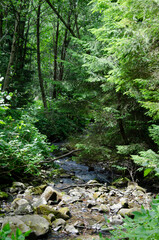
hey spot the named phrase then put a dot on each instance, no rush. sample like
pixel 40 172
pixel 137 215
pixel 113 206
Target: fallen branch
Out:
pixel 62 156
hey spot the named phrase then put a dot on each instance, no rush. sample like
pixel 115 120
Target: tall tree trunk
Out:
pixel 1 26
pixel 12 56
pixel 41 82
pixel 55 59
pixel 120 121
pixel 63 50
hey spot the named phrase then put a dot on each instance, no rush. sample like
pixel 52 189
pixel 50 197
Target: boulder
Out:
pixel 36 223
pixel 46 210
pixel 21 206
pixel 51 194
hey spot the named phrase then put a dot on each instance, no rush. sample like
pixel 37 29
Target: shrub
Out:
pixel 22 146
pixel 6 234
pixel 144 225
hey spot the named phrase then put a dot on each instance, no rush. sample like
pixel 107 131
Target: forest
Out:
pixel 84 74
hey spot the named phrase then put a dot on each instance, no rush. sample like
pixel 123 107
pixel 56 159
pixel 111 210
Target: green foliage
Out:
pixel 22 146
pixel 63 118
pixel 149 160
pixel 6 234
pixel 130 149
pixel 143 226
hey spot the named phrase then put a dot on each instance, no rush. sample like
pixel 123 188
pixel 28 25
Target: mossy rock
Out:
pixel 38 190
pixel 3 195
pixel 46 210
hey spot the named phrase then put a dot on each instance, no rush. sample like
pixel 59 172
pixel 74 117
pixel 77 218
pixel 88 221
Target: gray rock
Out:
pixel 19 185
pixel 37 223
pixel 116 219
pixel 21 206
pixel 58 222
pixel 71 229
pixel 51 194
pixel 128 212
pixel 116 207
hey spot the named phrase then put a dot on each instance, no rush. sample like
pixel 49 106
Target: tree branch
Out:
pixel 62 156
pixel 61 18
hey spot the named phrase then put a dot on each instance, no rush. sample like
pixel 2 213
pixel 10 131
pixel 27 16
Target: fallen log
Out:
pixel 62 156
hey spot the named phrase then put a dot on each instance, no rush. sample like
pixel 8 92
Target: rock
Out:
pixel 91 203
pixel 102 198
pixel 96 195
pixel 128 211
pixel 38 190
pixel 116 207
pixel 124 202
pixel 116 219
pixel 71 229
pixel 93 182
pixel 74 192
pixel 103 208
pixel 15 223
pixel 20 185
pixel 51 217
pixel 58 222
pixel 46 210
pixel 66 199
pixel 64 213
pixel 38 202
pixel 21 206
pixel 3 195
pixel 51 194
pixel 37 223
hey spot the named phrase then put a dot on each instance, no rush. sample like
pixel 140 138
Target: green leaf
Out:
pixel 147 171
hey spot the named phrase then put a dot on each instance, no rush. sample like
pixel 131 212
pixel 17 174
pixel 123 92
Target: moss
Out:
pixel 45 210
pixel 38 190
pixel 3 195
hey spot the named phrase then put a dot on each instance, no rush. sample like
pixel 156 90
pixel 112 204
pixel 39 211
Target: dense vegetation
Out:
pixel 83 71
pixel 86 72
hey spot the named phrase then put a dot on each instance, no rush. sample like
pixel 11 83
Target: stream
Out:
pixel 76 173
pixel 79 198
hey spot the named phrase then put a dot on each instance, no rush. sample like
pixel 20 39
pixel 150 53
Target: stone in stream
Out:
pixel 58 224
pixel 46 210
pixel 36 223
pixel 48 194
pixel 21 206
pixel 71 229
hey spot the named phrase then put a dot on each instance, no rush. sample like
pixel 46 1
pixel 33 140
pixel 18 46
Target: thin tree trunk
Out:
pixel 55 59
pixel 63 50
pixel 39 58
pixel 12 57
pixel 120 122
pixel 1 25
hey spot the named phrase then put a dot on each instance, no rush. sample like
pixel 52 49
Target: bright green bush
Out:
pixel 22 146
pixel 6 234
pixel 144 225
